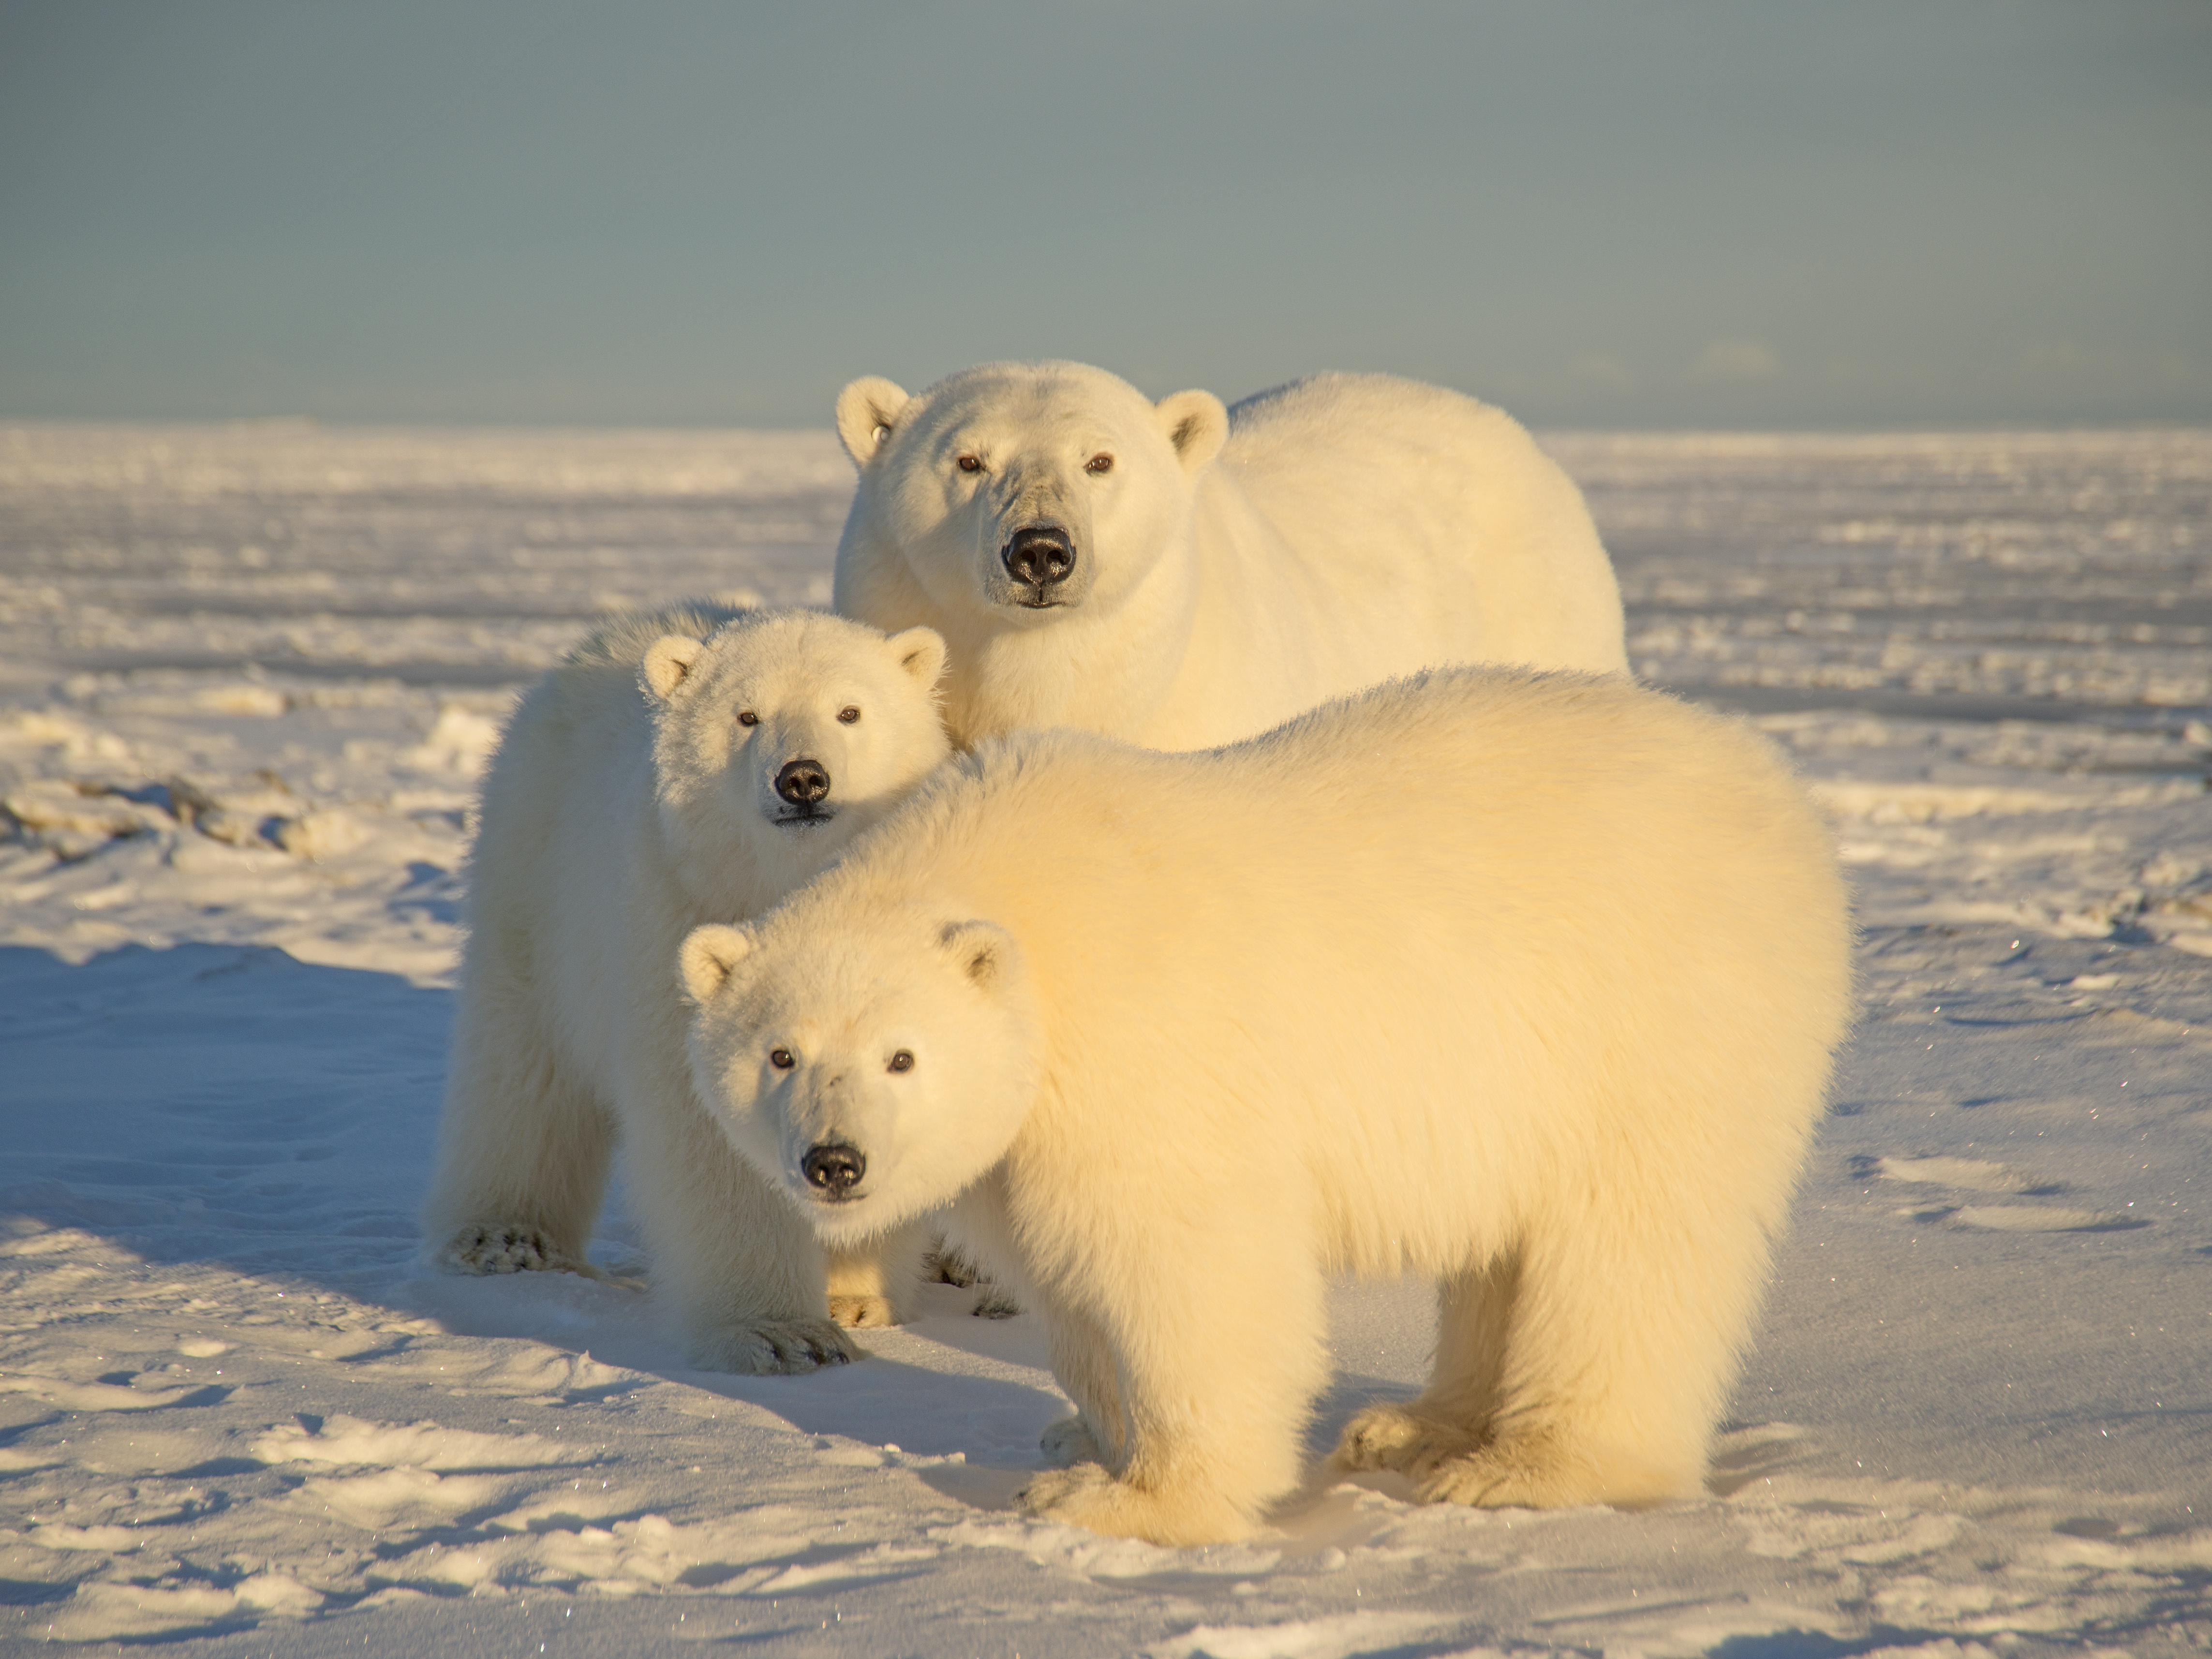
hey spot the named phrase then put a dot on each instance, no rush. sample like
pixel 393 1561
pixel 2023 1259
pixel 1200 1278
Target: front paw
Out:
pixel 496 1248
pixel 1069 1441
pixel 773 1347
pixel 857 1313
pixel 1086 1496
pixel 1062 1494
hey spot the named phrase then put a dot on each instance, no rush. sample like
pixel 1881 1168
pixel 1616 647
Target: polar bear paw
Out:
pixel 1069 1441
pixel 774 1347
pixel 859 1313
pixel 945 1265
pixel 500 1250
pixel 1392 1437
pixel 1554 1472
pixel 1087 1496
pixel 992 1303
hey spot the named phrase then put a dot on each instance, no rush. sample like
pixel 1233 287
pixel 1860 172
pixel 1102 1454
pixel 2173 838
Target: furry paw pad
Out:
pixel 992 1303
pixel 492 1250
pixel 946 1266
pixel 859 1313
pixel 773 1347
pixel 1390 1438
pixel 1060 1494
pixel 1069 1441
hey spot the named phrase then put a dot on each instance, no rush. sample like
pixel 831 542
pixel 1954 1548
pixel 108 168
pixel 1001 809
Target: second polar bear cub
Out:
pixel 1528 983
pixel 682 766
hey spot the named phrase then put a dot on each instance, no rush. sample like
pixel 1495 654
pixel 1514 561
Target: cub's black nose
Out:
pixel 802 782
pixel 1039 556
pixel 834 1168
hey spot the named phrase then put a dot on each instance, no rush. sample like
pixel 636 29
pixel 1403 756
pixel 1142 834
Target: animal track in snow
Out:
pixel 2023 1218
pixel 1975 1175
pixel 1972 1174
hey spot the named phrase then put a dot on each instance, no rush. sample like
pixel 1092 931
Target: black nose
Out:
pixel 834 1168
pixel 1039 556
pixel 802 782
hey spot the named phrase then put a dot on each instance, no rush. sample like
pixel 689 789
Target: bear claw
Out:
pixel 501 1249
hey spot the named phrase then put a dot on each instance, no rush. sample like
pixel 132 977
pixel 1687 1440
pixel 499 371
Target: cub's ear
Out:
pixel 987 953
pixel 667 660
pixel 707 955
pixel 921 652
pixel 867 410
pixel 1196 424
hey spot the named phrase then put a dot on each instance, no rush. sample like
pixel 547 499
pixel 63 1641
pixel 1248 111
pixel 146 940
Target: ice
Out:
pixel 249 678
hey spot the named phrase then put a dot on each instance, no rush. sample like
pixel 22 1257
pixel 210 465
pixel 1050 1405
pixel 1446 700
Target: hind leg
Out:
pixel 1474 1312
pixel 1621 1342
pixel 524 1148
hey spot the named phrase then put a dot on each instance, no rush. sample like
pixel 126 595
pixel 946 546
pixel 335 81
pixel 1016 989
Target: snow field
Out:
pixel 247 678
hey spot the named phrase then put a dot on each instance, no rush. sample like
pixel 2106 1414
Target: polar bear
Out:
pixel 1179 574
pixel 681 765
pixel 1526 982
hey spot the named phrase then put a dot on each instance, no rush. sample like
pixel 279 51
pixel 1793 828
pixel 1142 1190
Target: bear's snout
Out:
pixel 803 782
pixel 834 1168
pixel 1039 556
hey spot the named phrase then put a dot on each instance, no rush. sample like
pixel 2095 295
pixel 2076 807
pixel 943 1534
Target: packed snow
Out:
pixel 248 677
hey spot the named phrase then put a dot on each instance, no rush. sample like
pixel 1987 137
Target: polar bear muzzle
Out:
pixel 1040 557
pixel 804 784
pixel 833 1169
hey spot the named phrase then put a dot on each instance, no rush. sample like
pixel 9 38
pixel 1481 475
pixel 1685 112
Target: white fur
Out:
pixel 1527 983
pixel 627 805
pixel 1233 567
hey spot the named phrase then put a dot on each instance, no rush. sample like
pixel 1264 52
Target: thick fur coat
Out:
pixel 1180 576
pixel 1526 983
pixel 635 795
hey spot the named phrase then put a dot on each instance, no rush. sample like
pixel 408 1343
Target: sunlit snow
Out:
pixel 248 677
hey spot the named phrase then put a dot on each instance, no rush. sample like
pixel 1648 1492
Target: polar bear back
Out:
pixel 1410 962
pixel 1352 470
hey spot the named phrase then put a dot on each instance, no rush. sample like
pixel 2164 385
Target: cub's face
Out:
pixel 1018 493
pixel 870 1072
pixel 791 731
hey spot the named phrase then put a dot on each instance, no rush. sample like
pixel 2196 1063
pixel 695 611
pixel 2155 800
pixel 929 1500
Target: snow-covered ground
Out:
pixel 247 676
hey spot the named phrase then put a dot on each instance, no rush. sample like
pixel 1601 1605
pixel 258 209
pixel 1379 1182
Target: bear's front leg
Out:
pixel 1191 1400
pixel 739 1274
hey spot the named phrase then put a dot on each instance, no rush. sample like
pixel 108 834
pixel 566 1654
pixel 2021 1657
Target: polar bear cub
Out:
pixel 1181 575
pixel 1528 983
pixel 680 766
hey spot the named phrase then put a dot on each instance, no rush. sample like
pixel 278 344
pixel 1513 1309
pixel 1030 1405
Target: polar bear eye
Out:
pixel 1099 463
pixel 746 717
pixel 901 1062
pixel 970 464
pixel 848 714
pixel 781 1059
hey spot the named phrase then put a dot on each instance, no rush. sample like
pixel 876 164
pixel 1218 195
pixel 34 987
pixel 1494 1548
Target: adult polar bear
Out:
pixel 1181 575
pixel 1550 1022
pixel 682 766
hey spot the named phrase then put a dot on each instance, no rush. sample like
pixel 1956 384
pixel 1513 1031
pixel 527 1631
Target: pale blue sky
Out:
pixel 1647 213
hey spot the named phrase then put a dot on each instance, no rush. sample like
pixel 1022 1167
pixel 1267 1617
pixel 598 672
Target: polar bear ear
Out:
pixel 921 652
pixel 1196 424
pixel 707 955
pixel 867 410
pixel 987 953
pixel 668 660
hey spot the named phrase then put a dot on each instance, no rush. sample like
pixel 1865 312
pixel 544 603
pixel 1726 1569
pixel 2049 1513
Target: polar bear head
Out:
pixel 782 734
pixel 871 1066
pixel 1014 494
